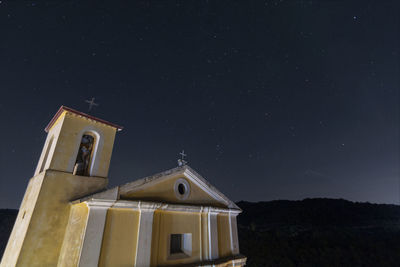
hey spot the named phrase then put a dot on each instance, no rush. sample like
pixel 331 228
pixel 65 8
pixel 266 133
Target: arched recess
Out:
pixel 87 153
pixel 46 155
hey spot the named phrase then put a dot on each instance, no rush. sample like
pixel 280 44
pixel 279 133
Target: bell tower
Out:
pixel 74 163
pixel 78 141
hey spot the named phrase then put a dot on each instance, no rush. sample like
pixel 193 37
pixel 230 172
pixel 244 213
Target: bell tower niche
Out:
pixel 85 155
pixel 74 163
pixel 77 143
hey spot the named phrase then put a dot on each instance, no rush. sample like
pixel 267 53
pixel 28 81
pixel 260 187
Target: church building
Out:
pixel 68 217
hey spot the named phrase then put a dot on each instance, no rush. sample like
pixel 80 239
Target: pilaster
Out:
pixel 91 247
pixel 212 235
pixel 143 252
pixel 233 233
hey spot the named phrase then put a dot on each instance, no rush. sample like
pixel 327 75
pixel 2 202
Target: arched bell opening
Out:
pixel 84 159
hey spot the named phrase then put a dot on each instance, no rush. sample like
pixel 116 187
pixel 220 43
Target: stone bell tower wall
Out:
pixel 40 226
pixel 63 140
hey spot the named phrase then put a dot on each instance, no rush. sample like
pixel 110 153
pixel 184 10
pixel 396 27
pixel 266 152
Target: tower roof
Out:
pixel 90 117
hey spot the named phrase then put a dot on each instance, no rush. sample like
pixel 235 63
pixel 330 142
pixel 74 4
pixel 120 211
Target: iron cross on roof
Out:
pixel 182 161
pixel 91 103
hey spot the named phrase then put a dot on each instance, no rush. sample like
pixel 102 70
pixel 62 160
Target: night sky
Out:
pixel 269 99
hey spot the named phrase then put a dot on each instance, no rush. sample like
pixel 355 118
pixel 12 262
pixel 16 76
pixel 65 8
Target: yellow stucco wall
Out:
pixel 22 221
pixel 74 234
pixel 166 223
pixel 224 241
pixel 69 138
pixel 44 238
pixel 120 238
pixel 163 191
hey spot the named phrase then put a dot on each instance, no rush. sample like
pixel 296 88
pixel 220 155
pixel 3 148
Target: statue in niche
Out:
pixel 82 163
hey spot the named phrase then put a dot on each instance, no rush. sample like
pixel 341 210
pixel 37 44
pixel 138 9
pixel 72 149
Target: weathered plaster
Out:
pixel 145 235
pixel 120 238
pixel 74 235
pixel 22 222
pixel 93 236
pixel 48 204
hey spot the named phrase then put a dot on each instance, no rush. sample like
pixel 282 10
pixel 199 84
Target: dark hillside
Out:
pixel 7 219
pixel 317 212
pixel 319 232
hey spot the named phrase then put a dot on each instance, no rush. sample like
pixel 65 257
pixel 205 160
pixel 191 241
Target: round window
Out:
pixel 182 189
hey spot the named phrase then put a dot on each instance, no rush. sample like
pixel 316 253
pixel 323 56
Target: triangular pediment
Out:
pixel 180 185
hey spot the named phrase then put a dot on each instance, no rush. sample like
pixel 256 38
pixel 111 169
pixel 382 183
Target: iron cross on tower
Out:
pixel 91 103
pixel 182 161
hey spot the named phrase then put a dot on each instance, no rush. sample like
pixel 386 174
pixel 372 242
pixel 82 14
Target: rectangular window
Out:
pixel 176 244
pixel 180 246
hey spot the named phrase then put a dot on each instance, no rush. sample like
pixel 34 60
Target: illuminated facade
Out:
pixel 69 218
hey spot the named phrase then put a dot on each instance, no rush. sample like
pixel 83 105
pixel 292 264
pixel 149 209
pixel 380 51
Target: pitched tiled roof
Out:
pixel 64 108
